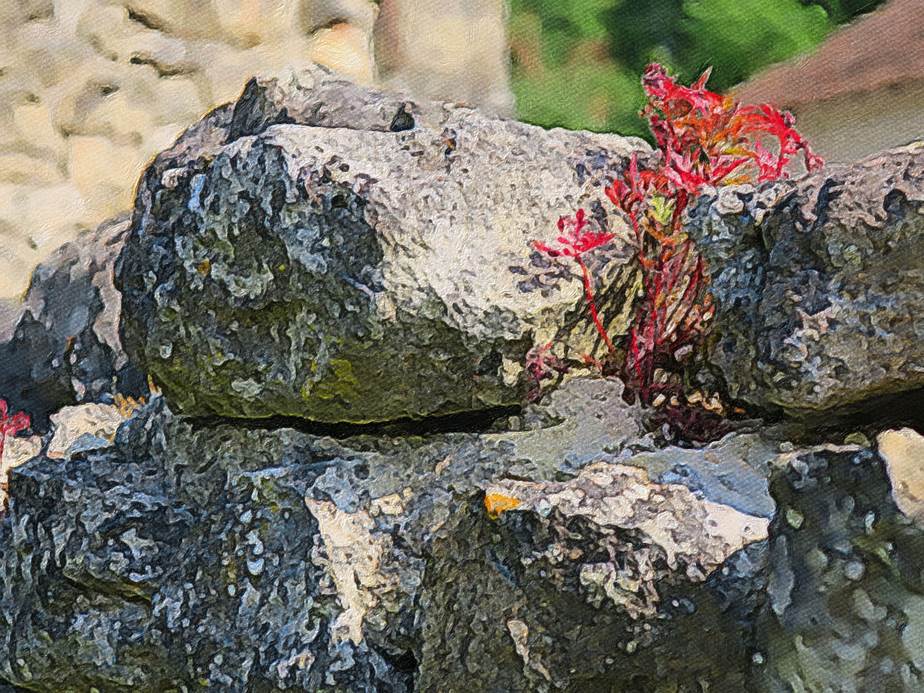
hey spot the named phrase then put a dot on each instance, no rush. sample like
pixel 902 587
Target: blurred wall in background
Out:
pixel 447 49
pixel 90 90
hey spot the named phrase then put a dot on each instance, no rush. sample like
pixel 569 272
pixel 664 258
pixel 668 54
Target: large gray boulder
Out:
pixel 332 253
pixel 275 559
pixel 820 284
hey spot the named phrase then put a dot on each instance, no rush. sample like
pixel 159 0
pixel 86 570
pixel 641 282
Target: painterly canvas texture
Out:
pixel 462 345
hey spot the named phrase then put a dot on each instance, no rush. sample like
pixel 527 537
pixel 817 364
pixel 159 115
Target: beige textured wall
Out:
pixel 90 90
pixel 448 49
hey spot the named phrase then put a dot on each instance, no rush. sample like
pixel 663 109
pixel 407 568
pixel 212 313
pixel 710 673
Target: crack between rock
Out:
pixel 484 421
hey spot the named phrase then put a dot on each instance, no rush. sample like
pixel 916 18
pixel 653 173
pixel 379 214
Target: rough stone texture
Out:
pixel 903 452
pixel 74 430
pixel 16 451
pixel 597 583
pixel 820 284
pixel 327 269
pixel 63 346
pixel 83 425
pixel 429 557
pixel 845 607
pixel 269 559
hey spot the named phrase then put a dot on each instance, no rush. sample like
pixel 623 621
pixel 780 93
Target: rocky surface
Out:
pixel 903 452
pixel 820 284
pixel 73 430
pixel 604 582
pixel 63 345
pixel 83 427
pixel 326 269
pixel 845 607
pixel 191 553
pixel 264 558
pixel 16 451
pixel 316 256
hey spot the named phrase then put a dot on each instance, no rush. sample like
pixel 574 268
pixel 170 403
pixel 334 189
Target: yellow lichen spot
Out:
pixel 497 503
pixel 281 268
pixel 127 406
pixel 341 382
pixel 204 267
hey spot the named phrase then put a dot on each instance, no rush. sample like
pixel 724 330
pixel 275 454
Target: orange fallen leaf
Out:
pixel 498 503
pixel 127 406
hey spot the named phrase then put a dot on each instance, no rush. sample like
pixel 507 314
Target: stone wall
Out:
pixel 347 260
pixel 91 90
pixel 446 49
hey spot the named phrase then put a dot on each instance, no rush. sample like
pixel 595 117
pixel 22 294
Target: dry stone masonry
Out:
pixel 90 91
pixel 820 284
pixel 340 487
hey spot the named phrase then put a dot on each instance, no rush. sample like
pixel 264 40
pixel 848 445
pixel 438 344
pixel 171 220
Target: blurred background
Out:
pixel 577 63
pixel 91 90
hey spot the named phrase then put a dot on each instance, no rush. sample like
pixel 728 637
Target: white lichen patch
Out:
pixel 392 504
pixel 70 423
pixel 16 451
pixel 353 557
pixel 519 633
pixel 695 535
pixel 903 452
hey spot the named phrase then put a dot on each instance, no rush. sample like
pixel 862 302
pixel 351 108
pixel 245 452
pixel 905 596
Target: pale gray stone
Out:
pixel 305 261
pixel 820 284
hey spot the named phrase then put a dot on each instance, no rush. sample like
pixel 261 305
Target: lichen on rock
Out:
pixel 818 284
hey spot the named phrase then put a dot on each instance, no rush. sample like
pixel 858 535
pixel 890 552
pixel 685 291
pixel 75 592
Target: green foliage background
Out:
pixel 577 63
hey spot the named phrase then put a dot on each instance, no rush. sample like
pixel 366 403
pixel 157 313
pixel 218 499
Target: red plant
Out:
pixel 10 425
pixel 574 241
pixel 704 140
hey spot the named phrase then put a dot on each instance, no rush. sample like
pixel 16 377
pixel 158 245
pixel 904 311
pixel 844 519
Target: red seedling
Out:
pixel 704 140
pixel 10 425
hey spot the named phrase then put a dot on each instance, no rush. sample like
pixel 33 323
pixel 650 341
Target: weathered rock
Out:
pixel 903 452
pixel 820 284
pixel 74 430
pixel 269 559
pixel 845 607
pixel 326 269
pixel 64 344
pixel 597 583
pixel 16 451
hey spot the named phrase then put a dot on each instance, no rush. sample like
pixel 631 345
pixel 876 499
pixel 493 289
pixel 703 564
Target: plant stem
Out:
pixel 592 306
